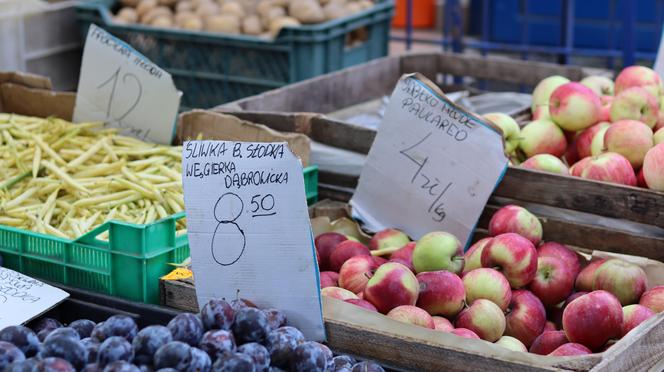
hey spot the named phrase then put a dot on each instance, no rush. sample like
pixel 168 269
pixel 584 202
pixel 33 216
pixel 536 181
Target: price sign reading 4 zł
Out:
pixel 122 88
pixel 431 167
pixel 249 230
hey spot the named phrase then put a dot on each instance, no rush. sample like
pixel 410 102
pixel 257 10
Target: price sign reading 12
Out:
pixel 124 89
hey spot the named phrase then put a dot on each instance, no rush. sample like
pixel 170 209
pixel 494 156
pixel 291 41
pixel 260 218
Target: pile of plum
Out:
pixel 225 336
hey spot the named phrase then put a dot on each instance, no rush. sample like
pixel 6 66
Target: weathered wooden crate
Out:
pixel 618 218
pixel 414 348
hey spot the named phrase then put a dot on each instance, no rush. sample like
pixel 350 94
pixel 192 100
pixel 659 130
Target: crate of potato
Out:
pixel 224 50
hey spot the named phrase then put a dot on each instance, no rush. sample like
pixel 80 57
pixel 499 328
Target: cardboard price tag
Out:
pixel 249 230
pixel 122 88
pixel 432 166
pixel 23 298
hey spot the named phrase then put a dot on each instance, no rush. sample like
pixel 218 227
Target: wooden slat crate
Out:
pixel 414 348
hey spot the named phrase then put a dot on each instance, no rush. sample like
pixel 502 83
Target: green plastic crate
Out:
pixel 128 265
pixel 212 68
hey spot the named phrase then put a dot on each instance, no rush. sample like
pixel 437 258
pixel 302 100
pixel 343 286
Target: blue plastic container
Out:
pixel 212 68
pixel 598 24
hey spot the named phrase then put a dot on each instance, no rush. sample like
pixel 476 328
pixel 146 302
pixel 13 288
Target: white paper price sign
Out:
pixel 431 167
pixel 249 230
pixel 122 88
pixel 23 298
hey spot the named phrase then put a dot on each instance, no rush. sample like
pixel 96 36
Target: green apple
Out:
pixel 436 251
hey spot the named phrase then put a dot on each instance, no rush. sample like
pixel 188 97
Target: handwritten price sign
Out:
pixel 248 228
pixel 125 90
pixel 23 298
pixel 431 167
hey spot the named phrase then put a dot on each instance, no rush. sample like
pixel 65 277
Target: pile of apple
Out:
pixel 595 129
pixel 511 289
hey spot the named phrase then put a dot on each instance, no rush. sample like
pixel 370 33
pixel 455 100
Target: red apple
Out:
pixel 546 163
pixel 438 250
pixel 513 255
pixel 388 238
pixel 542 93
pixel 442 324
pixel 338 293
pixel 571 349
pixel 563 252
pixel 484 318
pixel 584 281
pixel 601 85
pixel 329 279
pixel 585 139
pixel 362 303
pixel 631 139
pixel 325 244
pixel 441 293
pixel 549 326
pixel 593 319
pixel 511 343
pixel 405 254
pixel 553 282
pixel 526 318
pixel 515 219
pixel 653 168
pixel 473 256
pixel 542 137
pixel 633 315
pixel 377 260
pixel 638 76
pixel 571 154
pixel 635 103
pixel 574 106
pixel 392 285
pixel 412 315
pixel 573 297
pixel 465 333
pixel 624 280
pixel 345 250
pixel 605 110
pixel 577 168
pixel 640 180
pixel 355 273
pixel 547 342
pixel 653 299
pixel 489 284
pixel 610 167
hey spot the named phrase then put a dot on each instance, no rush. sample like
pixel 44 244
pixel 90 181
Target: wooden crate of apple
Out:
pixel 595 129
pixel 510 288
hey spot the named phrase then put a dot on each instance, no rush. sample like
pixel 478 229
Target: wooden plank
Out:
pixel 179 294
pixel 602 198
pixel 347 87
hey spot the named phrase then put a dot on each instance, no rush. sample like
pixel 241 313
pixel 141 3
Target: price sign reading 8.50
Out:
pixel 122 88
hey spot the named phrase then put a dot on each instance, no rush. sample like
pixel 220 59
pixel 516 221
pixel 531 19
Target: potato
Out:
pixel 169 3
pixel 233 8
pixel 160 11
pixel 352 8
pixel 277 24
pixel 334 10
pixel 184 6
pixel 182 16
pixel 128 15
pixel 207 9
pixel 306 11
pixel 251 25
pixel 226 23
pixel 272 14
pixel 131 3
pixel 162 21
pixel 190 22
pixel 366 4
pixel 283 3
pixel 144 6
pixel 264 7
